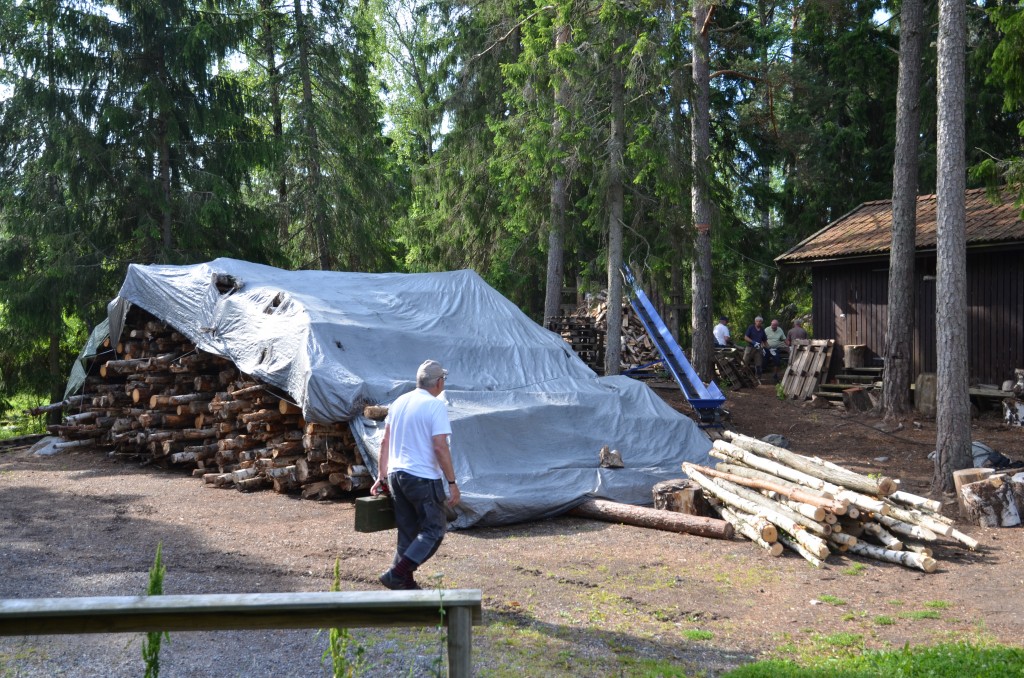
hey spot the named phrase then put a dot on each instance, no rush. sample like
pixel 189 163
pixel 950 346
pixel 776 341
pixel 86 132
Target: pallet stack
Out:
pixel 156 395
pixel 582 334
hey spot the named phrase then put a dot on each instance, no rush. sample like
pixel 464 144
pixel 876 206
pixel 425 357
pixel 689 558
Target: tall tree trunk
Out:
pixel 953 417
pixel 700 316
pixel 898 333
pixel 165 185
pixel 56 370
pixel 270 35
pixel 559 196
pixel 316 219
pixel 616 211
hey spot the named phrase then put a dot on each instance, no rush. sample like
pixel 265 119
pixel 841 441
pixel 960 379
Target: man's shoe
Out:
pixel 396 583
pixel 392 581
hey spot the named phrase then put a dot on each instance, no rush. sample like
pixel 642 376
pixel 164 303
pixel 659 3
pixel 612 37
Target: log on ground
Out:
pixel 640 516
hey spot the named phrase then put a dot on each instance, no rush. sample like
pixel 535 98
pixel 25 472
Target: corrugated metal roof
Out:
pixel 866 230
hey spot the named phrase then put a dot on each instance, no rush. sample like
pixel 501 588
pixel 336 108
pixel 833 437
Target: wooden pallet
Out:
pixel 729 365
pixel 808 367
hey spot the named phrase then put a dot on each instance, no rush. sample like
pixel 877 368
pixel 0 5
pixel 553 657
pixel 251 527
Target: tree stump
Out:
pixel 991 503
pixel 857 399
pixel 967 476
pixel 681 496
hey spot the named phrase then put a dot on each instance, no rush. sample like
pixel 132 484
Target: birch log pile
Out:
pixel 154 394
pixel 816 507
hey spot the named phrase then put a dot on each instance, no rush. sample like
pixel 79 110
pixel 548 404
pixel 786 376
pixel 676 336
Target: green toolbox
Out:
pixel 374 514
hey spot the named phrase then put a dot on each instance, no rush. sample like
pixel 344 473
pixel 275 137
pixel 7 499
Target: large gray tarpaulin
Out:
pixel 528 416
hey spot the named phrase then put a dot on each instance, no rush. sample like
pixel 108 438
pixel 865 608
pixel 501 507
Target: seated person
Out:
pixel 721 332
pixel 756 343
pixel 796 332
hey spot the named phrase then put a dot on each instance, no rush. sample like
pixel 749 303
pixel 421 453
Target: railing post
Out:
pixel 460 642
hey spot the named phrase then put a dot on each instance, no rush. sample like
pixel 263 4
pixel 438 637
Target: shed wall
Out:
pixel 851 302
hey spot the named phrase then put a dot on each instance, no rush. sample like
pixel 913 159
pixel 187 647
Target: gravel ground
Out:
pixel 563 597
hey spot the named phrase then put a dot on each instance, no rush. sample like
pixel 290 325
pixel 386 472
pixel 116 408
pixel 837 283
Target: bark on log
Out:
pixel 914 501
pixel 883 535
pixel 832 473
pixel 842 538
pixel 925 520
pixel 966 476
pixel 812 542
pixel 990 503
pixel 771 507
pixel 681 496
pixel 615 512
pixel 783 489
pixel 905 558
pixel 906 529
pixel 723 450
pixel 745 526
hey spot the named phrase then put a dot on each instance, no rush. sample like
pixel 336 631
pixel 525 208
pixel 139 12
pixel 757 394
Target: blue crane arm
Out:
pixel 701 396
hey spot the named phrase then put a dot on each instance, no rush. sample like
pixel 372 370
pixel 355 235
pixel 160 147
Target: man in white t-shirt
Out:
pixel 721 332
pixel 415 465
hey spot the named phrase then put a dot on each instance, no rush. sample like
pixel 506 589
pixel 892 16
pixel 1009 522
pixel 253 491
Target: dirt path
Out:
pixel 561 597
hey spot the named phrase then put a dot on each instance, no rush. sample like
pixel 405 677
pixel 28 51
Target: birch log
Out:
pixel 906 529
pixel 796 495
pixel 745 525
pixel 814 544
pixel 883 535
pixel 830 472
pixel 771 505
pixel 915 501
pixel 905 558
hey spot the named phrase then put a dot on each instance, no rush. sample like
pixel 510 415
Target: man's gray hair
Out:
pixel 429 373
pixel 758 318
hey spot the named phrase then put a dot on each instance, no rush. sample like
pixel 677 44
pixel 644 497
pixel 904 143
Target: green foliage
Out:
pixel 831 600
pixel 154 639
pixel 340 644
pixel 941 660
pixel 16 422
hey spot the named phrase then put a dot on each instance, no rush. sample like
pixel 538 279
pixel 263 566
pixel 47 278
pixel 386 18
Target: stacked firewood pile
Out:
pixel 637 347
pixel 180 407
pixel 774 496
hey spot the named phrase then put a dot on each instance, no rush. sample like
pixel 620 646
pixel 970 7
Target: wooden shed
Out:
pixel 849 262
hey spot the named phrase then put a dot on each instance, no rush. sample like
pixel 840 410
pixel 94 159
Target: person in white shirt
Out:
pixel 415 466
pixel 721 331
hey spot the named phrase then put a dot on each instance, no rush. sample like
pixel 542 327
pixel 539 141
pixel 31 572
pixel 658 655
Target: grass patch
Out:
pixel 921 614
pixel 884 620
pixel 854 570
pixel 994 661
pixel 698 634
pixel 831 600
pixel 937 605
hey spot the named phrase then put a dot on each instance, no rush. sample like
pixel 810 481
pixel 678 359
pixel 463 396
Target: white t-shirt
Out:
pixel 721 333
pixel 415 418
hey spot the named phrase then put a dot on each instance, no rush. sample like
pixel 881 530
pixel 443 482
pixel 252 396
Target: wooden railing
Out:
pixel 230 611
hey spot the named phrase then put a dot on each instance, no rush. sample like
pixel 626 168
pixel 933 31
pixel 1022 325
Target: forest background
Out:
pixel 418 135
